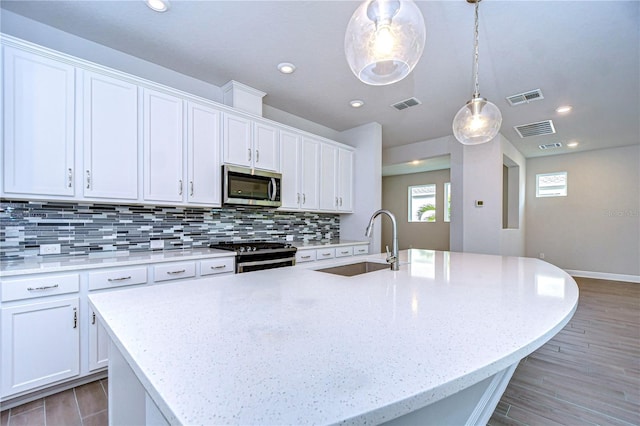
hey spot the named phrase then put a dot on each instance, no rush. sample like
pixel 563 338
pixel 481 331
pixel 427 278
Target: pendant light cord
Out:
pixel 476 93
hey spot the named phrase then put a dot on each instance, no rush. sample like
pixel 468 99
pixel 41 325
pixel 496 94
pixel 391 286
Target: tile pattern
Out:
pixel 84 405
pixel 589 373
pixel 83 229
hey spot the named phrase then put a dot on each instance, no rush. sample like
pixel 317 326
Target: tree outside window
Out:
pixel 422 203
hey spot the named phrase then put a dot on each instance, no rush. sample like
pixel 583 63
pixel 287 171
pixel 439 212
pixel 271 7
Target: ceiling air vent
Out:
pixel 406 104
pixel 550 145
pixel 540 128
pixel 525 98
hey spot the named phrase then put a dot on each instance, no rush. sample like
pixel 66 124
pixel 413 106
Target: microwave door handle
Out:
pixel 272 189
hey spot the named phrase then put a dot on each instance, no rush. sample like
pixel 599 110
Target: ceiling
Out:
pixel 582 53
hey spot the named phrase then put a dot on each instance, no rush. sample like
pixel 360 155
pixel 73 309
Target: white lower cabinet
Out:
pixel 98 344
pixel 40 343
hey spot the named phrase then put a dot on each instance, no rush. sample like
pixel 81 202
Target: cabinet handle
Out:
pixel 340 201
pixel 70 177
pixel 336 201
pixel 257 156
pixel 219 267
pixel 326 254
pixel 191 188
pixel 180 187
pixel 119 279
pixel 93 318
pixel 176 272
pixel 344 252
pixel 249 150
pixel 305 257
pixel 75 318
pixel 46 287
pixel 304 198
pixel 88 179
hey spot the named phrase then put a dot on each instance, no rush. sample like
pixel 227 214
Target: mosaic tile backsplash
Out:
pixel 83 229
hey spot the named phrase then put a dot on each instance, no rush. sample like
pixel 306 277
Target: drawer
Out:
pixel 344 251
pixel 360 250
pixel 305 256
pixel 30 288
pixel 328 253
pixel 174 271
pixel 217 266
pixel 117 278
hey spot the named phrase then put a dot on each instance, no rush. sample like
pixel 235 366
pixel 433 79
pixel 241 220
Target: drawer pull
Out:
pixel 46 287
pixel 75 318
pixel 305 257
pixel 326 254
pixel 344 252
pixel 181 271
pixel 93 318
pixel 219 267
pixel 119 279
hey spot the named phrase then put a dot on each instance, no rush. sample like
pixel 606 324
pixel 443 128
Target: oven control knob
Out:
pixel 241 249
pixel 254 248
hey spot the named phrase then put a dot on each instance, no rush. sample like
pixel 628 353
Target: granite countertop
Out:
pixel 299 346
pixel 41 264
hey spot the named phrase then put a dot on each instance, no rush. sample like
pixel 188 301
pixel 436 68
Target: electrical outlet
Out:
pixel 49 249
pixel 541 255
pixel 289 238
pixel 156 244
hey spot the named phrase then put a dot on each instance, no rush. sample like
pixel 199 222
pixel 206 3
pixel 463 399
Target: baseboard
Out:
pixel 604 276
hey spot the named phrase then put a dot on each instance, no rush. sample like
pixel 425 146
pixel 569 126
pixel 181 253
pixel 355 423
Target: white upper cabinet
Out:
pixel 203 151
pixel 265 147
pixel 336 185
pixel 250 144
pixel 290 154
pixel 310 196
pixel 163 147
pixel 110 128
pixel 39 125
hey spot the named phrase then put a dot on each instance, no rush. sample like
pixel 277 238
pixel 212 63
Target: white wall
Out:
pixel 367 192
pixel 476 174
pixel 595 229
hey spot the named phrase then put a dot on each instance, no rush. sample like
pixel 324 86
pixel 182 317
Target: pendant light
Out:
pixel 479 120
pixel 384 40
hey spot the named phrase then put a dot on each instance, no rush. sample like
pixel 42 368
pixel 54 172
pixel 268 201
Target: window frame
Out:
pixel 410 203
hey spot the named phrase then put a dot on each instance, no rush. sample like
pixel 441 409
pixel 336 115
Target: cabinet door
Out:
pixel 203 150
pixel 236 140
pixel 345 180
pixel 110 138
pixel 290 146
pixel 310 174
pixel 328 179
pixel 38 124
pixel 265 147
pixel 40 344
pixel 163 178
pixel 98 344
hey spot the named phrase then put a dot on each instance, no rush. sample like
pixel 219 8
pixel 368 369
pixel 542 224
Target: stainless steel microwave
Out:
pixel 250 187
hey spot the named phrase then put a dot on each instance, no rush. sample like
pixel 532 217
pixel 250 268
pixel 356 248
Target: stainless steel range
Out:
pixel 257 255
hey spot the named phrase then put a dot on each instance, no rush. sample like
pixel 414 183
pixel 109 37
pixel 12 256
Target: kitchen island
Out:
pixel 434 342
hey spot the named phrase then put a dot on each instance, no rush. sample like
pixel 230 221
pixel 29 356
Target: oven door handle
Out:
pixel 272 189
pixel 242 265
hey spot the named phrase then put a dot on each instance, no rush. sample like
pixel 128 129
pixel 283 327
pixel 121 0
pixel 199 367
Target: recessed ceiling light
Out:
pixel 286 68
pixel 564 109
pixel 356 103
pixel 415 162
pixel 572 144
pixel 158 5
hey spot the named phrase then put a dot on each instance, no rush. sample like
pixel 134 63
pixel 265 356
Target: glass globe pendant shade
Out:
pixel 384 40
pixel 477 122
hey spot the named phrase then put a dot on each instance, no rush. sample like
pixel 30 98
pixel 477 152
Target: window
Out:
pixel 422 203
pixel 551 184
pixel 447 202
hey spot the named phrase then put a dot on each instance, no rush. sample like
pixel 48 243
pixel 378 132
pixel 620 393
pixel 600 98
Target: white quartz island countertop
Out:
pixel 298 346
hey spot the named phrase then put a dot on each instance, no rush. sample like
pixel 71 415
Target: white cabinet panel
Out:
pixel 40 344
pixel 203 150
pixel 163 147
pixel 325 253
pixel 345 180
pixel 98 344
pixel 310 174
pixel 46 285
pixel 344 251
pixel 361 249
pixel 119 277
pixel 237 143
pixel 265 147
pixel 290 153
pixel 174 271
pixel 329 180
pixel 39 125
pixel 110 123
pixel 305 256
pixel 217 266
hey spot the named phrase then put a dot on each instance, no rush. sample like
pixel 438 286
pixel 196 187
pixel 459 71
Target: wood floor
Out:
pixel 588 374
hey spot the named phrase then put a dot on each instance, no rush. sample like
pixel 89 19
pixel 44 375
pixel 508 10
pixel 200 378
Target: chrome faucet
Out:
pixel 393 259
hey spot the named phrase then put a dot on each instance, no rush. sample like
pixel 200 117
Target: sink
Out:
pixel 355 268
